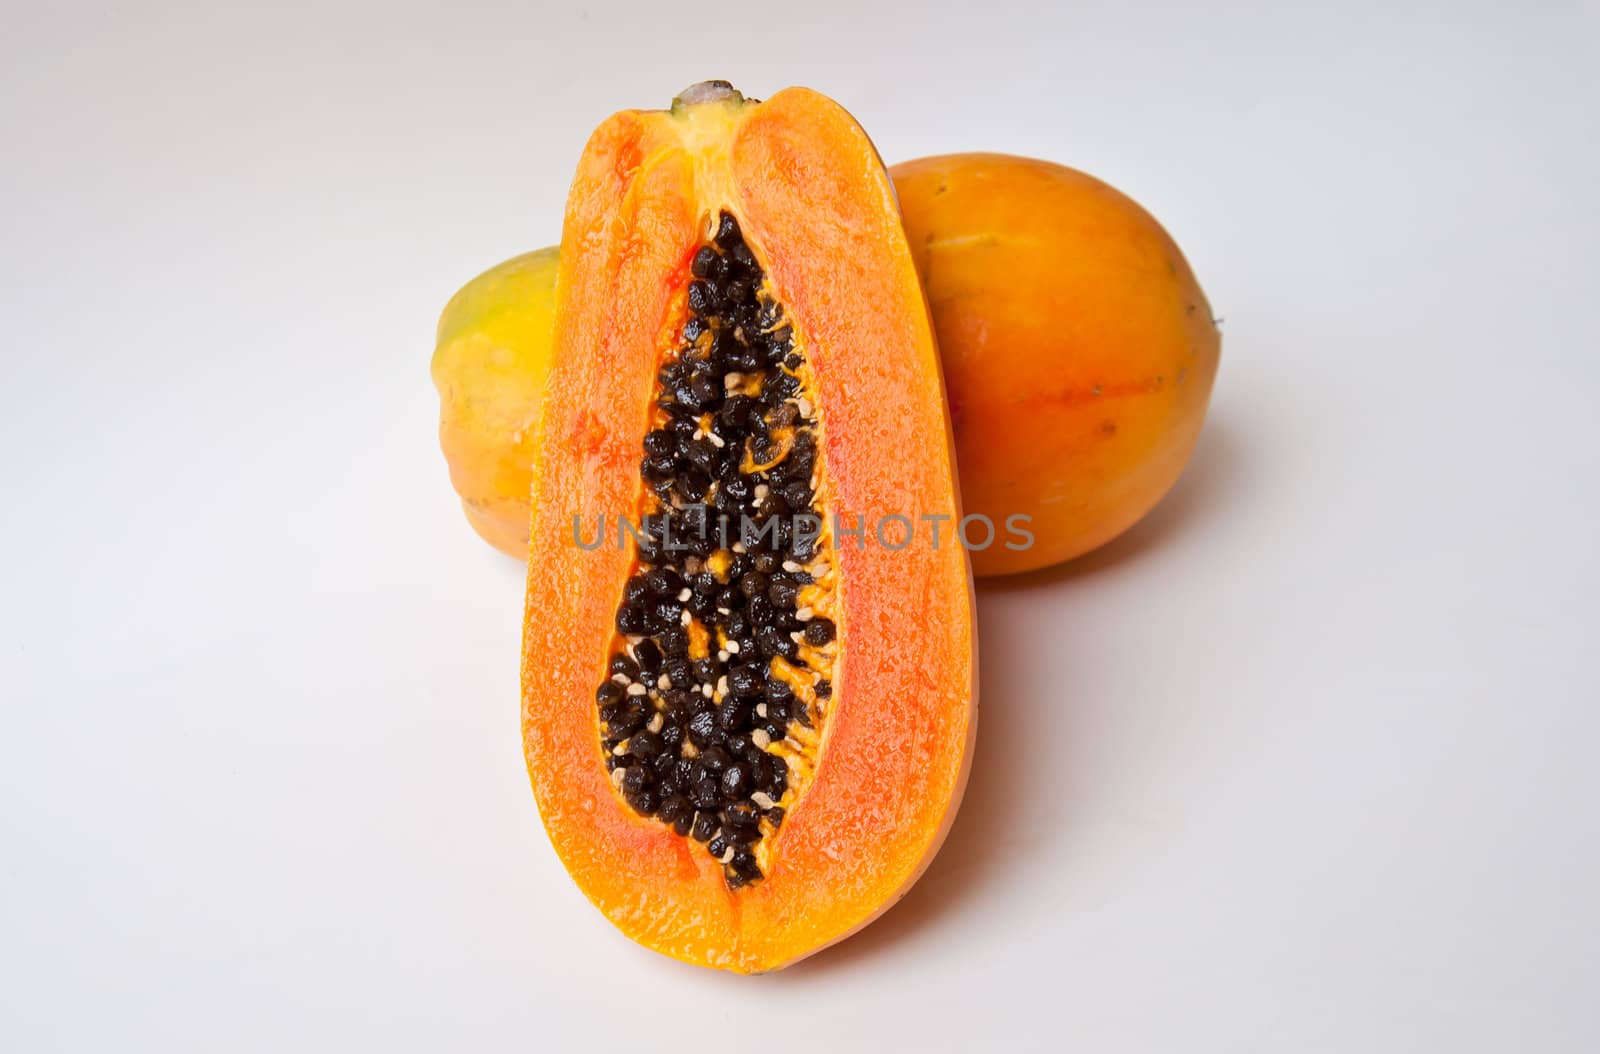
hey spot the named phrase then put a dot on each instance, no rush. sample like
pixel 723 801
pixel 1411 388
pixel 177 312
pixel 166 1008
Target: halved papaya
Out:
pixel 749 652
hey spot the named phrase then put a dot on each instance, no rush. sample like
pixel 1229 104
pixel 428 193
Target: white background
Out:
pixel 1306 762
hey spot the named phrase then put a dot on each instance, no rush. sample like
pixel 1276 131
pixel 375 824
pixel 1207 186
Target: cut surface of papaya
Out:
pixel 749 649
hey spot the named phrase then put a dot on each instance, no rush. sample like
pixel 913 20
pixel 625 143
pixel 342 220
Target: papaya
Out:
pixel 1079 353
pixel 490 363
pixel 748 665
pixel 1078 348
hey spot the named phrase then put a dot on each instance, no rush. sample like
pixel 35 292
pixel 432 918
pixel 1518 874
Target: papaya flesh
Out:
pixel 1079 353
pixel 748 740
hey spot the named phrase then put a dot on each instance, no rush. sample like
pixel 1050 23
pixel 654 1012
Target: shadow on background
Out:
pixel 990 827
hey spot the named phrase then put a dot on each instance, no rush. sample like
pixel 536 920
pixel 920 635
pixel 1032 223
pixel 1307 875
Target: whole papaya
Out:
pixel 1078 352
pixel 490 364
pixel 1078 349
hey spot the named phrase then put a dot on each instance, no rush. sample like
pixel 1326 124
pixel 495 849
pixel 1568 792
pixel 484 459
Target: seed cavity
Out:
pixel 717 686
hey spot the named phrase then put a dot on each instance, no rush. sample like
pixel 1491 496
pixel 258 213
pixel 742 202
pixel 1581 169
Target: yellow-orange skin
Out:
pixel 1078 349
pixel 490 365
pixel 1078 354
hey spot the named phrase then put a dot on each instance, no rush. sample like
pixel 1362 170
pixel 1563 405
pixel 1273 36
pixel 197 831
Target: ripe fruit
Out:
pixel 490 367
pixel 1078 349
pixel 744 746
pixel 1078 352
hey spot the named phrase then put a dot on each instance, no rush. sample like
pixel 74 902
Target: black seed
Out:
pixel 644 802
pixel 737 780
pixel 717 847
pixel 663 582
pixel 702 727
pixel 824 689
pixel 741 835
pixel 741 816
pixel 783 415
pixel 620 663
pixel 706 391
pixel 744 866
pixel 692 330
pixel 704 260
pixel 734 713
pixel 703 455
pixel 774 642
pixel 659 443
pixel 705 825
pixel 778 694
pixel 683 773
pixel 728 235
pixel 715 759
pixel 775 816
pixel 739 488
pixel 608 692
pixel 691 487
pixel 649 656
pixel 657 467
pixel 783 594
pixel 674 640
pixel 702 300
pixel 706 793
pixel 676 810
pixel 637 778
pixel 746 680
pixel 680 674
pixel 630 720
pixel 753 584
pixel 644 744
pixel 705 671
pixel 772 775
pixel 630 620
pixel 818 632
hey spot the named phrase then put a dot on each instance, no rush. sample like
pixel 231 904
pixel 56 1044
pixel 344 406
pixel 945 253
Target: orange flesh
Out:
pixel 817 209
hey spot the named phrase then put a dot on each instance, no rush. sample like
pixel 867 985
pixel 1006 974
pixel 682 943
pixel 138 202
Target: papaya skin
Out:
pixel 1078 352
pixel 490 365
pixel 1078 349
